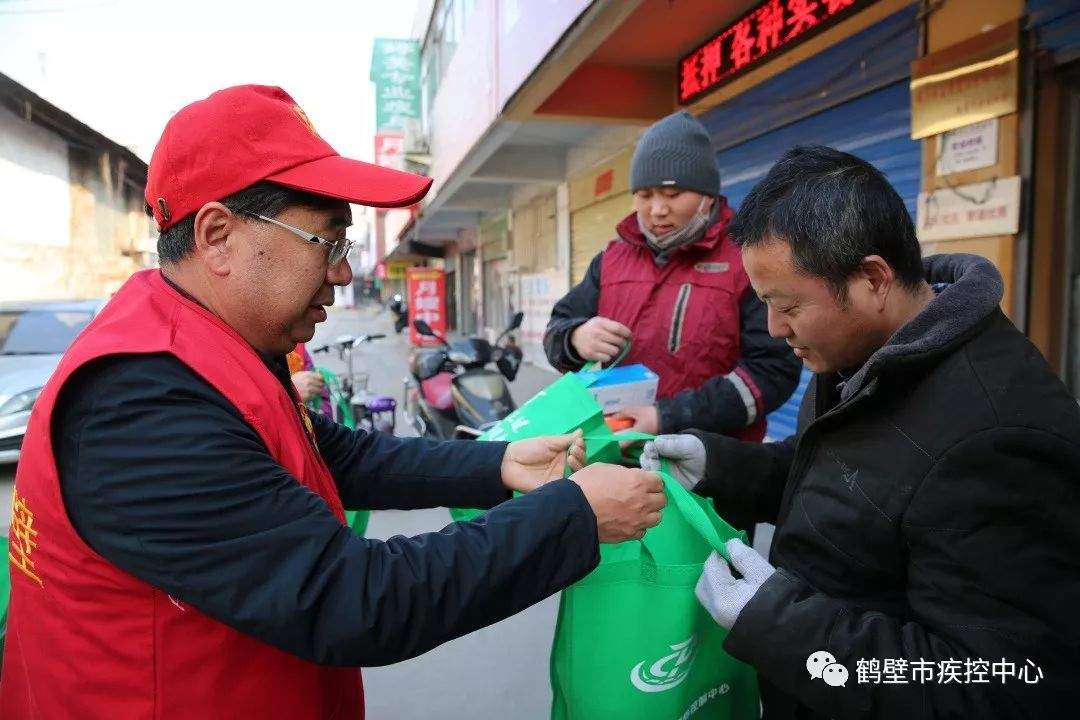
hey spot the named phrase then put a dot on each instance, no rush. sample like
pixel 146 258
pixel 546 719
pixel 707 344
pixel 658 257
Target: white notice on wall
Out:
pixel 539 292
pixel 968 148
pixel 970 211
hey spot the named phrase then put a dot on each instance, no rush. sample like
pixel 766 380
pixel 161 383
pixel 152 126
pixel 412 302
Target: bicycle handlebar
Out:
pixel 347 344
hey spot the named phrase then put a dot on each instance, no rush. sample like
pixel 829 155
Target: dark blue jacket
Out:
pixel 162 477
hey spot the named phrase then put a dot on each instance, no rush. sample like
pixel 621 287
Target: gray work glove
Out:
pixel 721 593
pixel 686 453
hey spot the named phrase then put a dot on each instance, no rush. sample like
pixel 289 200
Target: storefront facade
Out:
pixel 859 75
pixel 1054 325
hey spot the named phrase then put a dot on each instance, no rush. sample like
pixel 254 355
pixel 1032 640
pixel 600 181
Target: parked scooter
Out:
pixel 451 394
pixel 400 309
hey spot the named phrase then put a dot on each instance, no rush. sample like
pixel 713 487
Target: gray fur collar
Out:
pixel 974 291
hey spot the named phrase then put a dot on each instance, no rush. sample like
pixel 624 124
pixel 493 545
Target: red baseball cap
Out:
pixel 242 135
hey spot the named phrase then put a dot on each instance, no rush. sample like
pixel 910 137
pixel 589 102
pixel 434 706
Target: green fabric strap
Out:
pixel 683 499
pixel 593 365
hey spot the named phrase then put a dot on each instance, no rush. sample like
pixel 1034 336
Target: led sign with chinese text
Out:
pixel 771 28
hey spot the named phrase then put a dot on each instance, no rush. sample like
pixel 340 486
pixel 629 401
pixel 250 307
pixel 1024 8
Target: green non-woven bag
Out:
pixel 562 407
pixel 633 642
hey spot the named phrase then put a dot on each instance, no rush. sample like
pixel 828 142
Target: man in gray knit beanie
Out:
pixel 672 286
pixel 676 154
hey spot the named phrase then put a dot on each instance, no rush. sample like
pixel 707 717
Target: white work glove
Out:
pixel 721 593
pixel 686 453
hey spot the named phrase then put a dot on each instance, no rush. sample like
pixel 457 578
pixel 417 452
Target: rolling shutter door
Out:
pixel 875 127
pixel 1057 26
pixel 853 97
pixel 592 228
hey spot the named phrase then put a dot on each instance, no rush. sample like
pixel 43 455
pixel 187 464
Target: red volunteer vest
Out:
pixel 85 639
pixel 684 315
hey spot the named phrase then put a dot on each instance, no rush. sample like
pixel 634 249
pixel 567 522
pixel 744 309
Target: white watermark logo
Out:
pixel 823 666
pixel 667 672
pixel 899 671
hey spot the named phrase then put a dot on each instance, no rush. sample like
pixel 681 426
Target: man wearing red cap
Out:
pixel 178 546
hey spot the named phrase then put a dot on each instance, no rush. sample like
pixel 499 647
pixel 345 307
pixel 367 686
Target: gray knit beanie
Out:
pixel 676 151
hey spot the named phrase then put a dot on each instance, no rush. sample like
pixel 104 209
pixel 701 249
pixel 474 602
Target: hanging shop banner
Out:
pixel 390 149
pixel 395 70
pixel 974 80
pixel 427 302
pixel 968 211
pixel 968 148
pixel 771 28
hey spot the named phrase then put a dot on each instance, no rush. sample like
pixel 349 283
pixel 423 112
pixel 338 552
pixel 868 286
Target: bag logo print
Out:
pixel 667 672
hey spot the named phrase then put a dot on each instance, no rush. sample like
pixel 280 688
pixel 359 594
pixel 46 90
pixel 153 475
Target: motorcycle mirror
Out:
pixel 508 364
pixel 515 323
pixel 423 328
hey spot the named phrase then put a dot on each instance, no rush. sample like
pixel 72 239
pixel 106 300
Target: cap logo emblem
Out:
pixel 166 214
pixel 305 119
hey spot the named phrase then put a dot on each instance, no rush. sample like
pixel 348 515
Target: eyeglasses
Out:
pixel 338 249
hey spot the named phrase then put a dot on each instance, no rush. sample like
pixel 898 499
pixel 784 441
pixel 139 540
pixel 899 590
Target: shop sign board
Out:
pixel 771 28
pixel 968 211
pixel 968 148
pixel 974 80
pixel 427 302
pixel 396 270
pixel 390 149
pixel 395 70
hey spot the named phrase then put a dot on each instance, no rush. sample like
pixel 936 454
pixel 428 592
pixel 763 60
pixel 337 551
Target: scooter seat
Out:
pixel 436 390
pixel 381 403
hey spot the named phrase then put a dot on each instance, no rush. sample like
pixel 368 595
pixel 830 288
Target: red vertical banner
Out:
pixel 427 302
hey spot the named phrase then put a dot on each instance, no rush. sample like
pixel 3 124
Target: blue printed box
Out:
pixel 622 387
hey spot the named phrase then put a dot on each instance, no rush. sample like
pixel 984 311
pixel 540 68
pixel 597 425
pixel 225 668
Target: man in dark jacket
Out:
pixel 926 561
pixel 673 285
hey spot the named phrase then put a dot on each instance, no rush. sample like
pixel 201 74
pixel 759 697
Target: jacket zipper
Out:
pixel 678 319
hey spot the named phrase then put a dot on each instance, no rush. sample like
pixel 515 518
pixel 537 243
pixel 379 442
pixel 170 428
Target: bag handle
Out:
pixel 693 513
pixel 682 499
pixel 601 370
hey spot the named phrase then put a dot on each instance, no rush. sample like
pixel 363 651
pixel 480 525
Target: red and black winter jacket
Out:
pixel 696 322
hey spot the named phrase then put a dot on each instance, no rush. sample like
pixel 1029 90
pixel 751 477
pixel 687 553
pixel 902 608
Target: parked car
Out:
pixel 33 338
